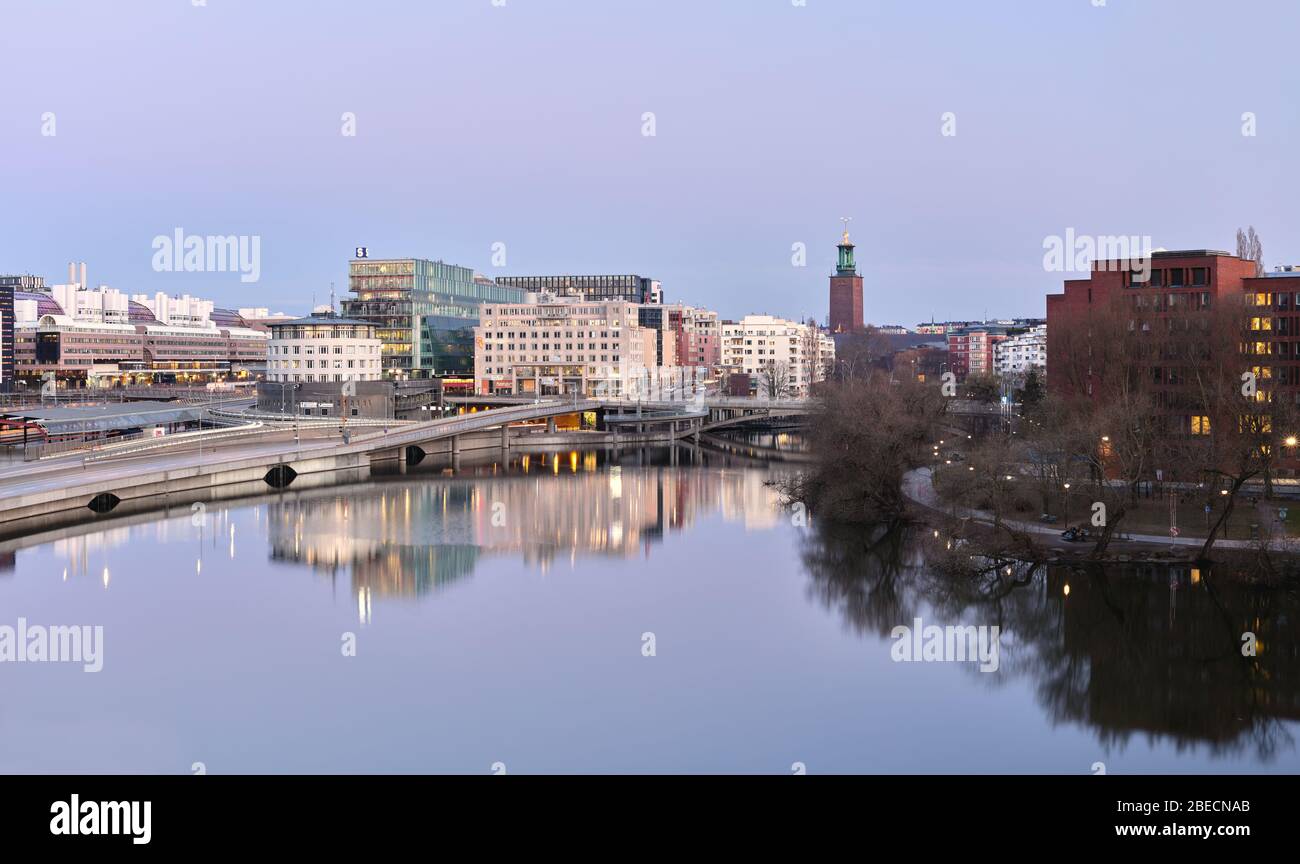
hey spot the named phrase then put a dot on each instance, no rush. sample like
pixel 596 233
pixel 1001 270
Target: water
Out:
pixel 518 642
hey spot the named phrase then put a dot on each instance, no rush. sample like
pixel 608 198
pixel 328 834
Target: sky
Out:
pixel 523 123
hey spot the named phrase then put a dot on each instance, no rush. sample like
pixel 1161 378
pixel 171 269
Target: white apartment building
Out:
pixel 782 355
pixel 323 348
pixel 552 345
pixel 1019 355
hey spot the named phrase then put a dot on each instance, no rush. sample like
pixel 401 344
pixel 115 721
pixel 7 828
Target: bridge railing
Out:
pixel 484 420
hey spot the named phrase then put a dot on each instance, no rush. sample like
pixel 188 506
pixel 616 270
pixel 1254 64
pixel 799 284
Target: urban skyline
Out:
pixel 749 387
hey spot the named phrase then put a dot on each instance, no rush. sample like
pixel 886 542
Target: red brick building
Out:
pixel 846 292
pixel 1173 282
pixel 970 350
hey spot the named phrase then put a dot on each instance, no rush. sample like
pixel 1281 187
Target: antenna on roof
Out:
pixel 331 298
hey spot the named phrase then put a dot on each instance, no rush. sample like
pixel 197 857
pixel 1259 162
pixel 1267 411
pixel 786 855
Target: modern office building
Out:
pixel 627 287
pixel 424 312
pixel 561 345
pixel 846 291
pixel 777 354
pixel 9 288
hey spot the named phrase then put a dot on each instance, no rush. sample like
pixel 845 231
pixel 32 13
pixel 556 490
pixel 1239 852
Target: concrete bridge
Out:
pixel 712 412
pixel 63 487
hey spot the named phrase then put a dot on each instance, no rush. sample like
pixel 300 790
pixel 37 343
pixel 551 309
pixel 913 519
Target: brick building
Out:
pixel 1174 282
pixel 846 292
pixel 970 350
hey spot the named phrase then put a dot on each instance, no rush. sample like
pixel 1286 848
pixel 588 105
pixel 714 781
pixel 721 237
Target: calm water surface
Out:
pixel 500 614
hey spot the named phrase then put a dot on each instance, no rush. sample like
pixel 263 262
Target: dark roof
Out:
pixel 319 320
pixel 1190 253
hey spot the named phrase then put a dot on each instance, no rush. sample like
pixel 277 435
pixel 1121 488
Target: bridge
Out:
pixel 61 489
pixel 686 418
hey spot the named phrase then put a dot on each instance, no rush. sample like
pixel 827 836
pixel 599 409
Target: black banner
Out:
pixel 333 813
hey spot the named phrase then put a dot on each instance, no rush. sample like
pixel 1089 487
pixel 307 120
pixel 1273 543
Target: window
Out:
pixel 1200 424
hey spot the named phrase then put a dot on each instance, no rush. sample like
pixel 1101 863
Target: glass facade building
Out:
pixel 9 286
pixel 628 287
pixel 424 312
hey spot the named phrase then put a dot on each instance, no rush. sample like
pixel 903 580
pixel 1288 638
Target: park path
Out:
pixel 918 486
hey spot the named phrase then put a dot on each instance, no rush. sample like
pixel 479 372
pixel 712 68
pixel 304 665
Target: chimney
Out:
pixel 84 283
pixel 72 272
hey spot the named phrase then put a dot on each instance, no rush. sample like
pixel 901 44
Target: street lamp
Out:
pixel 1067 505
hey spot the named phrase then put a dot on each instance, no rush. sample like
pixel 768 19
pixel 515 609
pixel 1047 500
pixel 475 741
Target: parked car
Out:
pixel 1075 535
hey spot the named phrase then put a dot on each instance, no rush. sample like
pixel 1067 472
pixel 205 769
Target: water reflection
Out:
pixel 409 537
pixel 1117 656
pixel 1124 651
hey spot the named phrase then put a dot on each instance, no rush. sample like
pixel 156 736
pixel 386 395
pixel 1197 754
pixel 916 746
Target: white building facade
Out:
pixel 561 345
pixel 323 348
pixel 1017 356
pixel 786 357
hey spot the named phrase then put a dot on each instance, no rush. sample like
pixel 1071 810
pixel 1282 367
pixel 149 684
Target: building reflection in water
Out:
pixel 1133 650
pixel 407 537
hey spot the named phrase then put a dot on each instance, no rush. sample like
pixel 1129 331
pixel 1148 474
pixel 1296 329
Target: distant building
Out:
pixel 699 335
pixel 922 363
pixel 311 359
pixel 892 329
pixel 103 337
pixel 629 288
pixel 1022 353
pixel 424 312
pixel 9 286
pixel 260 316
pixel 560 345
pixel 970 350
pixel 846 291
pixel 779 354
pixel 323 347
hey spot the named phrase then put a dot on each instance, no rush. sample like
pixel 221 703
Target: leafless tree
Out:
pixel 866 434
pixel 774 379
pixel 859 353
pixel 1250 248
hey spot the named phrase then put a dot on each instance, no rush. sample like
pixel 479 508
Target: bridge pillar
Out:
pixel 505 437
pixel 455 445
pixel 550 425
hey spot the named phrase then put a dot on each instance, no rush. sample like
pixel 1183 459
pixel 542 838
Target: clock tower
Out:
pixel 846 290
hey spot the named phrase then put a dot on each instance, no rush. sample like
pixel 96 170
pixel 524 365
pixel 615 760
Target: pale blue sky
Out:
pixel 522 124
